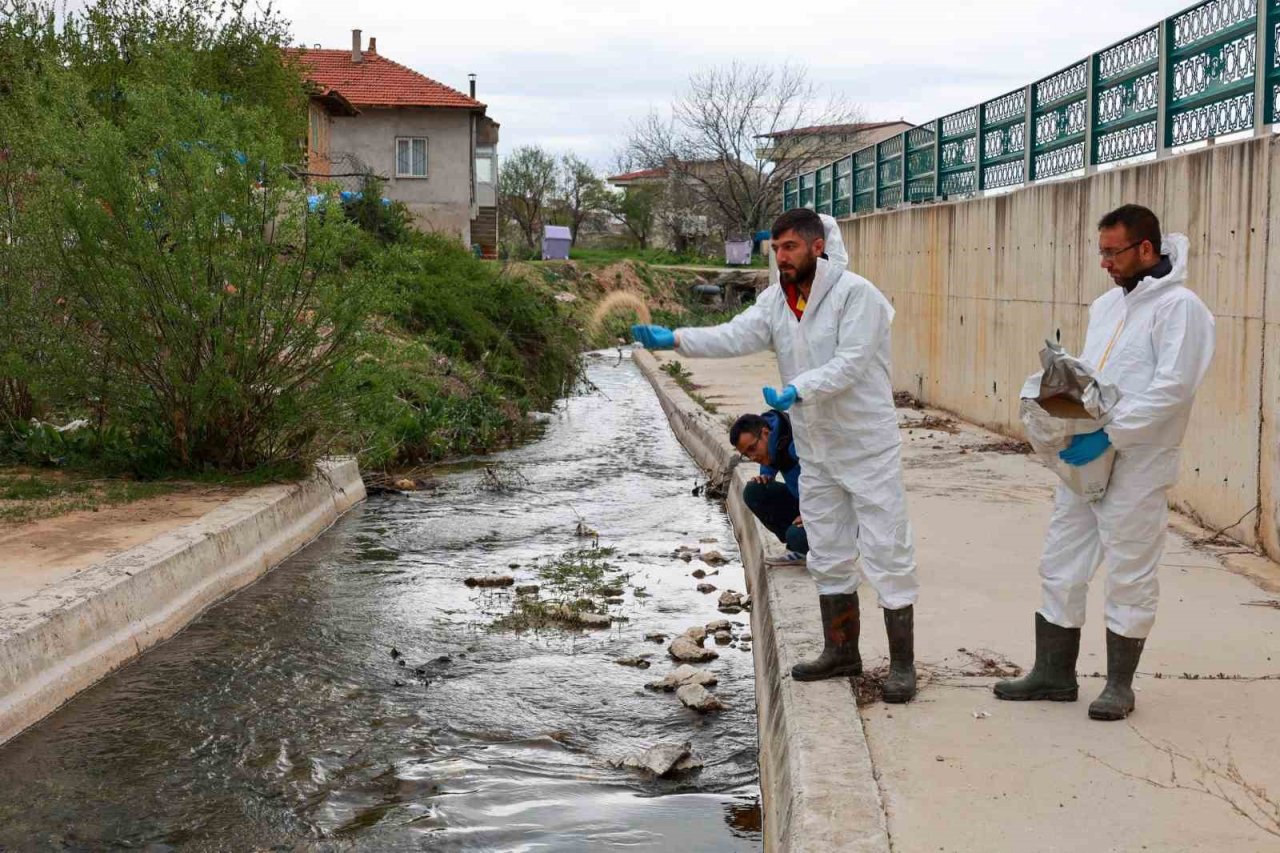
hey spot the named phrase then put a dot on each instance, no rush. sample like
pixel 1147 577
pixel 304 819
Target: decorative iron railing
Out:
pixel 1209 71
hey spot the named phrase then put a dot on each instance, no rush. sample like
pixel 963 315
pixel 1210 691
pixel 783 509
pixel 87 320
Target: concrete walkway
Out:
pixel 958 770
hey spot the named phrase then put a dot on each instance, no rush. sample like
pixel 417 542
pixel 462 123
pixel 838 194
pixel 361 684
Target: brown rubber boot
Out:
pixel 840 625
pixel 1116 701
pixel 1054 675
pixel 900 685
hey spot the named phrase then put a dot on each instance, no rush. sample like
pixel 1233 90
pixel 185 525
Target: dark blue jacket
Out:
pixel 782 452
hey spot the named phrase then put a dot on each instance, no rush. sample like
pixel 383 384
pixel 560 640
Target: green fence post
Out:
pixel 876 199
pixel 1272 108
pixel 979 142
pixel 1164 80
pixel 905 177
pixel 1091 118
pixel 937 159
pixel 1263 52
pixel 1029 137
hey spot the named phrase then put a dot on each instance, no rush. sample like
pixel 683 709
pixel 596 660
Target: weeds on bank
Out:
pixel 28 497
pixel 684 379
pixel 656 257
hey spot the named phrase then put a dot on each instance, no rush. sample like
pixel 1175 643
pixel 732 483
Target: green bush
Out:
pixel 471 309
pixel 657 257
pixel 204 305
pixel 160 275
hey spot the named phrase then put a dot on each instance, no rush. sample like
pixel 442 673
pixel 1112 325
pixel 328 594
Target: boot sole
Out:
pixel 1042 696
pixel 839 672
pixel 897 699
pixel 1107 716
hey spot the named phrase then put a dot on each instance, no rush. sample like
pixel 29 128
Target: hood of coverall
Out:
pixel 830 268
pixel 1176 246
pixel 836 253
pixel 837 256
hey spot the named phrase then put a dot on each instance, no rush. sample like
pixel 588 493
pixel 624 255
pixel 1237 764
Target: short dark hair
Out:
pixel 803 221
pixel 1138 221
pixel 751 424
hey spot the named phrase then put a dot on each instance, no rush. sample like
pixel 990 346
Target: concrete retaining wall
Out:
pixel 63 639
pixel 979 285
pixel 817 784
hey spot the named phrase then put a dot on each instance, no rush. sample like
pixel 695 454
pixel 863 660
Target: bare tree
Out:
pixel 527 186
pixel 731 139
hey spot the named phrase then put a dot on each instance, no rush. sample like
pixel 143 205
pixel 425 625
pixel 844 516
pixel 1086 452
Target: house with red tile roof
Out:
pixel 433 145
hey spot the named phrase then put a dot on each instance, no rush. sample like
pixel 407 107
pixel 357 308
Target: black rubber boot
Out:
pixel 1116 701
pixel 900 685
pixel 1054 675
pixel 840 624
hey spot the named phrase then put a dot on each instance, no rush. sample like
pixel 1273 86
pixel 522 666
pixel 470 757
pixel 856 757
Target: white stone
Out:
pixel 698 698
pixel 697 633
pixel 684 649
pixel 730 601
pixel 682 675
pixel 662 759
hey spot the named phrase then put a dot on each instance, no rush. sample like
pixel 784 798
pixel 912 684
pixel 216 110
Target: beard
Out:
pixel 799 273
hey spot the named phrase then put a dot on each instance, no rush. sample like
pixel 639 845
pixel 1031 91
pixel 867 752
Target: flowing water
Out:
pixel 281 719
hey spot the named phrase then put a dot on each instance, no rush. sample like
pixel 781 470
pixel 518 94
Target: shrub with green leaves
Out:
pixel 199 290
pixel 161 277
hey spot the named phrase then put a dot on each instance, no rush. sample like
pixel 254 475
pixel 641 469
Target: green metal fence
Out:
pixel 1208 71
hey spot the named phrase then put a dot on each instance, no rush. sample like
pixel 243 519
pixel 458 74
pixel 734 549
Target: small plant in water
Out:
pixel 573 588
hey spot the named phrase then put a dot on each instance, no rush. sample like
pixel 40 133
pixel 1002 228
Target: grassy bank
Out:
pixel 655 257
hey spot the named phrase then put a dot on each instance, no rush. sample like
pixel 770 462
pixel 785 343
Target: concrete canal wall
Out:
pixel 72 633
pixel 979 286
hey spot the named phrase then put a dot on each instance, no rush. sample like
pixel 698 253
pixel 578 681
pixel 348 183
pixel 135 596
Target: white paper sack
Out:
pixel 1066 377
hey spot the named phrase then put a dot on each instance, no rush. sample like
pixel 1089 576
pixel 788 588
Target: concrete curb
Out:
pixel 69 635
pixel 816 776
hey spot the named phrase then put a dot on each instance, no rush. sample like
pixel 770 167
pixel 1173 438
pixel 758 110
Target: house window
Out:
pixel 411 157
pixel 484 166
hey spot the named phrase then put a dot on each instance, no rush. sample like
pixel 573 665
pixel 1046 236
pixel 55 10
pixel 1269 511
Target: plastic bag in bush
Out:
pixel 1063 400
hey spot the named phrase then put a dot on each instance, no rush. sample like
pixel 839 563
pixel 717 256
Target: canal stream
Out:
pixel 281 719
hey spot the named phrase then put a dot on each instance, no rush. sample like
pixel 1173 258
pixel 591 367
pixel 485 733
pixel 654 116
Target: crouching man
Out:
pixel 766 440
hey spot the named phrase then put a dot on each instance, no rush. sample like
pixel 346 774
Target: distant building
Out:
pixel 803 149
pixel 683 219
pixel 435 146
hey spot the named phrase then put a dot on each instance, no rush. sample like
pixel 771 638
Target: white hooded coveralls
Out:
pixel 845 426
pixel 1155 344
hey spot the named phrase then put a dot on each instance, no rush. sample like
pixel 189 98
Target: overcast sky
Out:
pixel 572 75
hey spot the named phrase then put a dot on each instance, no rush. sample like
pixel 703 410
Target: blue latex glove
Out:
pixel 780 400
pixel 1085 448
pixel 654 337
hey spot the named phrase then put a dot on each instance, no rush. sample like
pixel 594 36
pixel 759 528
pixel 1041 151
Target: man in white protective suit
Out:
pixel 1152 338
pixel 830 331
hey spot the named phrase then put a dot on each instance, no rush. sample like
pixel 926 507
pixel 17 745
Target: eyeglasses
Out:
pixel 1112 254
pixel 751 448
